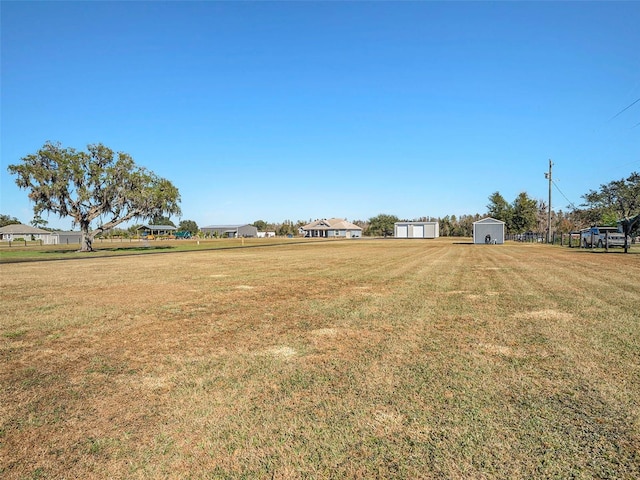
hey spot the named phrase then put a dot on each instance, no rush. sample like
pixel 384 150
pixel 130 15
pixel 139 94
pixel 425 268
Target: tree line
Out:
pixel 101 189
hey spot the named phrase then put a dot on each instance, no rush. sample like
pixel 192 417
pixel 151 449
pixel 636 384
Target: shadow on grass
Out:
pixel 614 252
pixel 137 249
pixel 108 250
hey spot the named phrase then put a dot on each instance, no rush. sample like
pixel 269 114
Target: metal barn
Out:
pixel 488 231
pixel 416 229
pixel 231 231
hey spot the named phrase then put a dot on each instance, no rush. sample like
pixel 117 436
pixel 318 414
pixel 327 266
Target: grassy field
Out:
pixel 346 359
pixel 19 252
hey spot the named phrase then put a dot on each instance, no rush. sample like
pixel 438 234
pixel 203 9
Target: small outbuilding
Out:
pixel 488 231
pixel 66 238
pixel 231 231
pixel 416 230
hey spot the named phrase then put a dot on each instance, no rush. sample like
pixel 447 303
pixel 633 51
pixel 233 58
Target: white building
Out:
pixel 488 231
pixel 331 228
pixel 416 229
pixel 16 231
pixel 231 231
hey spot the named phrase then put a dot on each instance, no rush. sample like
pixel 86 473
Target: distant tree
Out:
pixel 445 226
pixel 116 232
pixel 620 200
pixel 298 225
pixel 363 224
pixel 161 220
pixel 500 209
pixel 525 214
pixel 39 222
pixel 465 225
pixel 564 222
pixel 188 226
pixel 542 216
pixel 7 220
pixel 455 227
pixel 133 229
pixel 381 225
pixel 261 225
pixel 89 186
pixel 586 217
pixel 285 228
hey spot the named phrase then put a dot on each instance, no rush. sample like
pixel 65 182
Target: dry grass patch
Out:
pixel 360 359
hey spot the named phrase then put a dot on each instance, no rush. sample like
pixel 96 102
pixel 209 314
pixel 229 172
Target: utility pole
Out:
pixel 548 176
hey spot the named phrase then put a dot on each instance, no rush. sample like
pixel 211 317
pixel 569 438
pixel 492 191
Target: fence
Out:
pixel 21 242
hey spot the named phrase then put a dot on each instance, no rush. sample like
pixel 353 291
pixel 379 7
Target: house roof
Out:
pixel 331 224
pixel 19 228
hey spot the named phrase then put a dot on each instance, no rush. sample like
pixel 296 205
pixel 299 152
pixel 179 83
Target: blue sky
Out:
pixel 304 110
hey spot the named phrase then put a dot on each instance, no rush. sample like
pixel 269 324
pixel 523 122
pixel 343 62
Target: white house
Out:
pixel 488 231
pixel 13 232
pixel 331 228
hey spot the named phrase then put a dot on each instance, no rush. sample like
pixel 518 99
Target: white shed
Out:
pixel 66 238
pixel 416 229
pixel 488 231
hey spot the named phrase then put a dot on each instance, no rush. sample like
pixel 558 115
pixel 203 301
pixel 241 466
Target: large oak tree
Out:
pixel 97 187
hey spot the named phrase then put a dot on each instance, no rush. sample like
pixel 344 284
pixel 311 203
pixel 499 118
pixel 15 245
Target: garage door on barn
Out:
pixel 416 230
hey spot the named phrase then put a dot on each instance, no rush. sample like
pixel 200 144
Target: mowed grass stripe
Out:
pixel 363 359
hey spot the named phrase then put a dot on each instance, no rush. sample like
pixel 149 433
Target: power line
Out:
pixel 565 197
pixel 625 109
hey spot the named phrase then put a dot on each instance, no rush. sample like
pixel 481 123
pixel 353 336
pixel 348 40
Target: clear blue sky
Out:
pixel 303 110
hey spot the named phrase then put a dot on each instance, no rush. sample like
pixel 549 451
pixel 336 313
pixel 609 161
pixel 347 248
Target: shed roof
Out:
pixel 19 228
pixel 489 220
